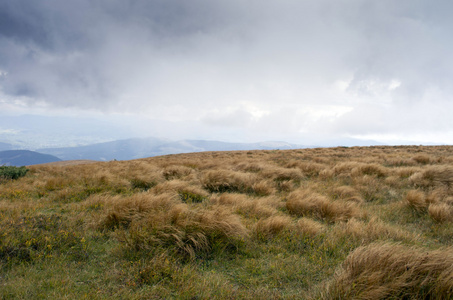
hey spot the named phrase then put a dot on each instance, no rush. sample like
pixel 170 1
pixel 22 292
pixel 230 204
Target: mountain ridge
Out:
pixel 25 158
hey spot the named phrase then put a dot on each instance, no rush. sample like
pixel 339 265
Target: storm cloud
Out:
pixel 345 67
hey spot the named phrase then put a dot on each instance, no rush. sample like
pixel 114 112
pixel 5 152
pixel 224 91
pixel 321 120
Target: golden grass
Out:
pixel 307 203
pixel 189 232
pixel 366 232
pixel 434 176
pixel 389 271
pixel 227 181
pixel 347 193
pixel 245 205
pixel 416 199
pixel 233 225
pixel 310 227
pixel 267 228
pixel 441 212
pixel 177 171
pixel 121 212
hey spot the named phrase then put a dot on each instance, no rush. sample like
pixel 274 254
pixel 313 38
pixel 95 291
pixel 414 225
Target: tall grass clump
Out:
pixel 417 200
pixel 220 181
pixel 151 222
pixel 267 228
pixel 308 203
pixel 347 193
pixel 307 226
pixel 441 212
pixel 389 271
pixel 365 232
pixel 189 233
pixel 256 208
pixel 122 211
pixel 422 159
pixel 176 171
pixel 434 176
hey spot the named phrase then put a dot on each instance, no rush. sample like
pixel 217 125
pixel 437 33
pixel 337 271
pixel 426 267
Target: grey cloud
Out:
pixel 236 118
pixel 199 56
pixel 92 48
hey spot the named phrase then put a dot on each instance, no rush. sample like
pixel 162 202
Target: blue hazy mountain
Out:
pixel 120 150
pixel 147 147
pixel 25 158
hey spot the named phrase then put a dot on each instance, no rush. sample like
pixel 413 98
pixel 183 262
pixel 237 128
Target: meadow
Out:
pixel 325 223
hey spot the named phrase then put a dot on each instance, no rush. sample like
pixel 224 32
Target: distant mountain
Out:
pixel 147 147
pixel 5 146
pixel 25 158
pixel 120 150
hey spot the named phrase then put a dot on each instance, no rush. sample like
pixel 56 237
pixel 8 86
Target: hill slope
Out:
pixel 331 223
pixel 25 158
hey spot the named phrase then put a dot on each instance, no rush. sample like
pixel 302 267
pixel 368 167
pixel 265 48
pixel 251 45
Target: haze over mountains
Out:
pixel 31 132
pixel 73 138
pixel 140 148
pixel 134 148
pixel 128 149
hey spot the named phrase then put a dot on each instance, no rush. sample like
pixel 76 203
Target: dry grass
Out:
pixel 267 228
pixel 365 232
pixel 441 212
pixel 309 227
pixel 233 225
pixel 437 204
pixel 388 271
pixel 227 181
pixel 422 159
pixel 121 212
pixel 416 199
pixel 347 193
pixel 245 205
pixel 190 233
pixel 177 171
pixel 307 203
pixel 434 176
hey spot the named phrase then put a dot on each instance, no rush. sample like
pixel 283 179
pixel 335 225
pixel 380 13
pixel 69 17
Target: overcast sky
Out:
pixel 236 70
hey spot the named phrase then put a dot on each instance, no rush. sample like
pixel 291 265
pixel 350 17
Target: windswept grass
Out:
pixel 307 203
pixel 388 271
pixel 332 223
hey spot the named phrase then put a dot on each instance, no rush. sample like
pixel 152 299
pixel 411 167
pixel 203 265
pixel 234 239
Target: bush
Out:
pixel 11 172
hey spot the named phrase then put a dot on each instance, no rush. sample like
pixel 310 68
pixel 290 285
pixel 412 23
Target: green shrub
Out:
pixel 11 172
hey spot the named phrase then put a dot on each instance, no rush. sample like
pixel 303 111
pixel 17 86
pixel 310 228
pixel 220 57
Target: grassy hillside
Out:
pixel 335 223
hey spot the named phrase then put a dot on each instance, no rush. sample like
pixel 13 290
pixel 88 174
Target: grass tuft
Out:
pixel 307 203
pixel 389 271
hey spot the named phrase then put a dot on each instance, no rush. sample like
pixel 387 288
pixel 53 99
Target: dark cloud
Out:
pixel 246 60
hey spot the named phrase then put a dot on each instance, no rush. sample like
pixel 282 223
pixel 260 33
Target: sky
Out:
pixel 236 70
